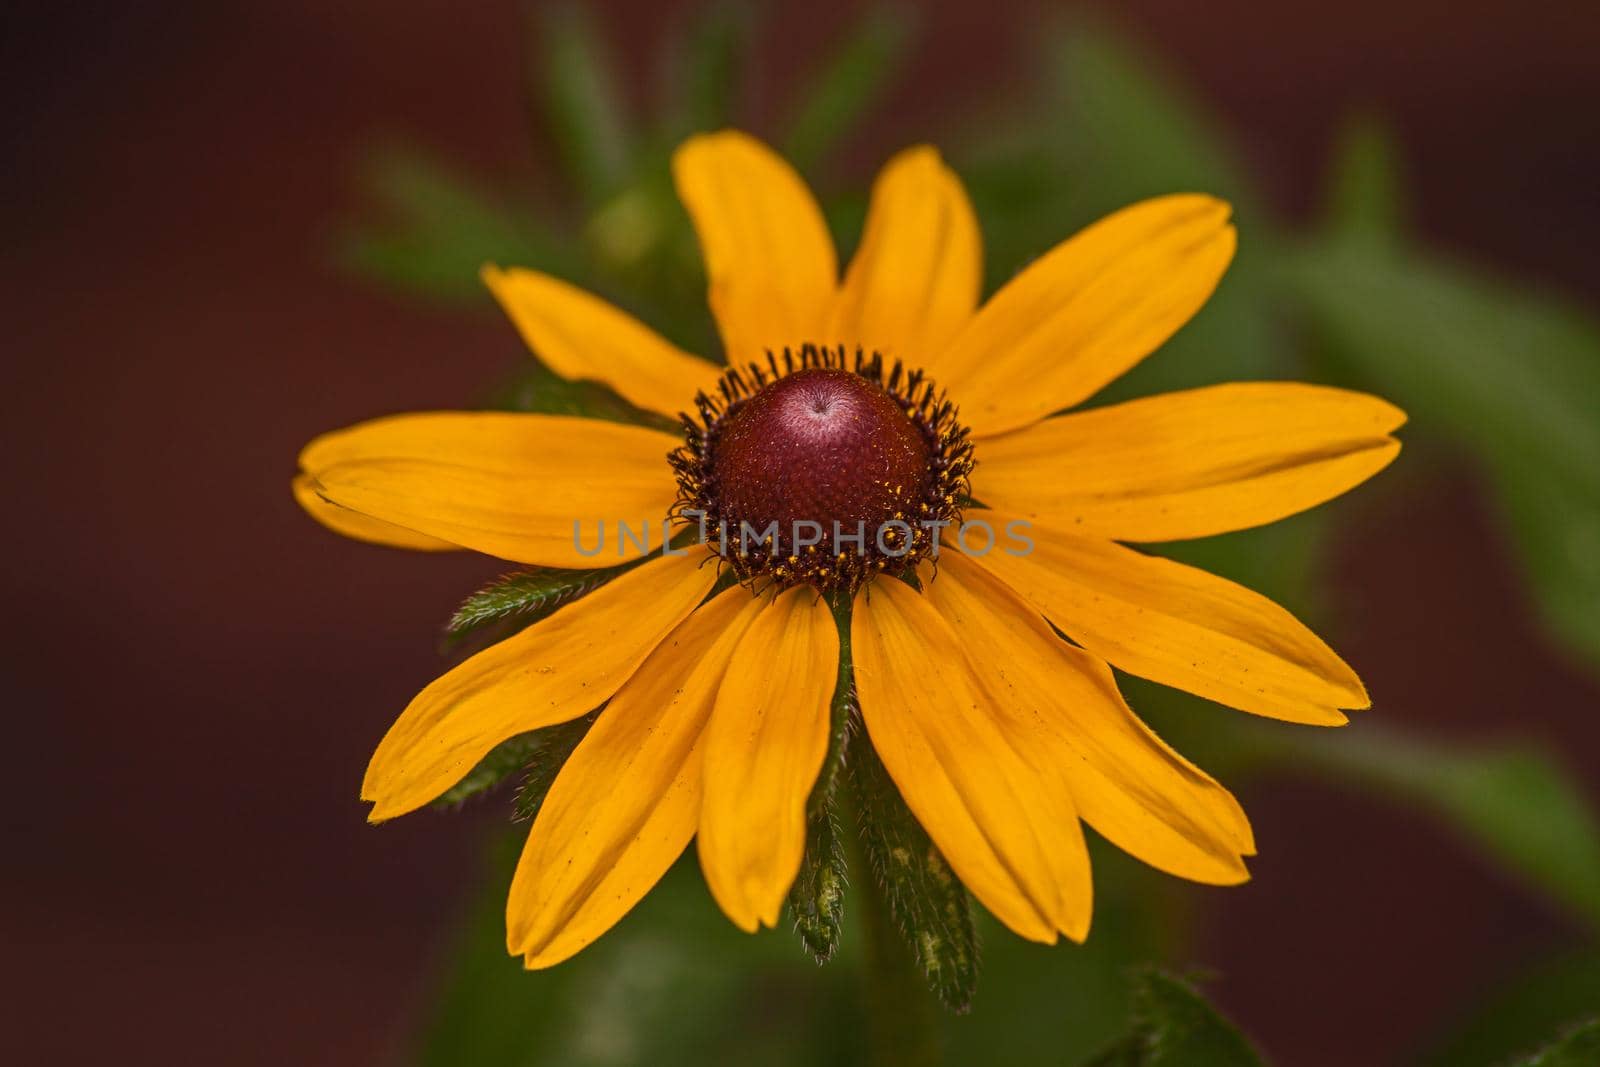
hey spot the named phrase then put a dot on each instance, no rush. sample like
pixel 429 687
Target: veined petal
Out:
pixel 1190 464
pixel 1004 821
pixel 557 669
pixel 627 802
pixel 1063 703
pixel 578 335
pixel 916 278
pixel 529 488
pixel 763 749
pixel 1087 311
pixel 1180 626
pixel 361 527
pixel 768 253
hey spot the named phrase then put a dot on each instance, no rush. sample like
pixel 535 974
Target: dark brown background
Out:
pixel 196 674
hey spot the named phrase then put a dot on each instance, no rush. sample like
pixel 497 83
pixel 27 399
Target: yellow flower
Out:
pixel 1002 737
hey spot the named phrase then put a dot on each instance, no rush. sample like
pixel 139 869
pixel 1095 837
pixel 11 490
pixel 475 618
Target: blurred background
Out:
pixel 231 226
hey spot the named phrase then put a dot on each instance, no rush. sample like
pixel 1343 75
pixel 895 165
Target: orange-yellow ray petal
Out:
pixel 1086 312
pixel 916 278
pixel 1180 626
pixel 578 335
pixel 627 802
pixel 1126 782
pixel 1004 819
pixel 361 527
pixel 529 488
pixel 763 749
pixel 557 669
pixel 768 253
pixel 1190 464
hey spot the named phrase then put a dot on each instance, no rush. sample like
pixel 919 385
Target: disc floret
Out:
pixel 822 467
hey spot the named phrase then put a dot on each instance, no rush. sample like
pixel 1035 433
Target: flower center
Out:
pixel 809 471
pixel 821 446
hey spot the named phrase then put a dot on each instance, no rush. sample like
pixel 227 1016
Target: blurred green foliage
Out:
pixel 1578 1048
pixel 1171 1025
pixel 1517 804
pixel 1532 1004
pixel 1495 375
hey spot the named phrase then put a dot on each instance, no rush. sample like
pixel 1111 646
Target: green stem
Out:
pixel 902 1018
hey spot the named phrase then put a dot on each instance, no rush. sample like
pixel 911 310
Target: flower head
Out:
pixel 883 461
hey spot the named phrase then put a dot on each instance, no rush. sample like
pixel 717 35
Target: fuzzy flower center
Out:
pixel 817 470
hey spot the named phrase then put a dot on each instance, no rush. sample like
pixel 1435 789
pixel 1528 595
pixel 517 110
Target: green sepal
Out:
pixel 817 897
pixel 540 753
pixel 925 898
pixel 1580 1047
pixel 522 598
pixel 504 760
pixel 1172 1025
pixel 552 746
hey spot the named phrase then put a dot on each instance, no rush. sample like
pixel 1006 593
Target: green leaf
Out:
pixel 1530 1003
pixel 706 68
pixel 1131 130
pixel 578 86
pixel 1505 375
pixel 1365 197
pixel 504 760
pixel 552 745
pixel 537 389
pixel 436 228
pixel 925 898
pixel 524 598
pixel 817 896
pixel 1171 1025
pixel 1520 805
pixel 839 96
pixel 1579 1048
pixel 1554 517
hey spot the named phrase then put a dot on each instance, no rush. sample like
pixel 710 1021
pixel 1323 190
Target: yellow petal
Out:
pixel 627 801
pixel 1179 626
pixel 763 749
pixel 1190 464
pixel 1086 312
pixel 581 336
pixel 557 669
pixel 1062 702
pixel 915 280
pixel 355 525
pixel 1004 819
pixel 768 252
pixel 529 488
